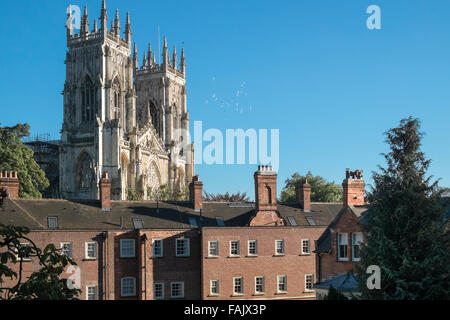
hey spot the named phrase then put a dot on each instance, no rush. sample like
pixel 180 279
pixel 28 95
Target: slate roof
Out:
pixel 87 215
pixel 346 282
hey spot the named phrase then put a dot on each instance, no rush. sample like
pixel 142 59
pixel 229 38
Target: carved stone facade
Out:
pixel 120 117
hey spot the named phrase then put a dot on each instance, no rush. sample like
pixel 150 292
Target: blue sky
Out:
pixel 309 68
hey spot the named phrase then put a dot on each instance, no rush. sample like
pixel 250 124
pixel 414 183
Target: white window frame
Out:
pixel 262 284
pixel 211 287
pixel 238 248
pixel 186 248
pixel 306 282
pixel 20 258
pixel 71 249
pixel 234 286
pixel 359 245
pixel 256 248
pixel 162 290
pixel 309 247
pixel 279 277
pixel 122 294
pixel 216 249
pixel 339 247
pixel 276 248
pixel 182 290
pixel 86 250
pixel 122 255
pixel 153 248
pixel 96 292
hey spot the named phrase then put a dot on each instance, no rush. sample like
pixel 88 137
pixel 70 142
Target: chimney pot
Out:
pixel 105 192
pixel 353 189
pixel 195 193
pixel 303 195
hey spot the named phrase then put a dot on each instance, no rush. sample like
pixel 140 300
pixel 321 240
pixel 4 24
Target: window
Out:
pixel 193 222
pixel 157 245
pixel 306 246
pixel 252 248
pixel 214 287
pixel 177 289
pixel 309 282
pixel 282 284
pixel 88 100
pixel 127 248
pixel 158 290
pixel 259 285
pixel 279 247
pixel 342 246
pixel 311 221
pixel 52 222
pixel 356 246
pixel 91 293
pixel 213 248
pixel 128 288
pixel 24 252
pixel 137 224
pixel 292 221
pixel 234 248
pixel 182 247
pixel 91 250
pixel 66 249
pixel 238 287
pixel 220 222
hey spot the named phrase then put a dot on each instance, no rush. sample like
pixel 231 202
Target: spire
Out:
pixel 95 26
pixel 149 54
pixel 165 42
pixel 166 61
pixel 144 61
pixel 128 29
pixel 174 57
pixel 154 59
pixel 104 19
pixel 84 28
pixel 135 57
pixel 183 61
pixel 112 28
pixel 117 24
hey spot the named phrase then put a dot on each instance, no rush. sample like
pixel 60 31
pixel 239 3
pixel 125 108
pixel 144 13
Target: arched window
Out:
pixel 84 172
pixel 154 117
pixel 269 194
pixel 116 99
pixel 88 100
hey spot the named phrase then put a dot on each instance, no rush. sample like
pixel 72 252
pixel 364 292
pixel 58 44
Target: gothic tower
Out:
pixel 108 126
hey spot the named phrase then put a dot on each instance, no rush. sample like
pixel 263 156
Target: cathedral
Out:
pixel 121 117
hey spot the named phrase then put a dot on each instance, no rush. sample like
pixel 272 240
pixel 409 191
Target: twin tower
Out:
pixel 120 116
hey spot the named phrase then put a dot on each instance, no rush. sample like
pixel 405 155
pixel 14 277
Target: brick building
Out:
pixel 192 250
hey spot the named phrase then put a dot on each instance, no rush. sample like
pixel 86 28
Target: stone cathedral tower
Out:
pixel 120 117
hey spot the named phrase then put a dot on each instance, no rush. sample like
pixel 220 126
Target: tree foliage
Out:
pixel 334 294
pixel 226 197
pixel 44 284
pixel 321 190
pixel 404 224
pixel 15 156
pixel 166 193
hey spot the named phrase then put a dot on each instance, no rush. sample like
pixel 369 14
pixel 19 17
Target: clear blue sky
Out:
pixel 309 68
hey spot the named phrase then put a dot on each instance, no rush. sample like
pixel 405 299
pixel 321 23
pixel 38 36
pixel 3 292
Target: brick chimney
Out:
pixel 266 198
pixel 353 186
pixel 9 183
pixel 195 193
pixel 303 195
pixel 105 192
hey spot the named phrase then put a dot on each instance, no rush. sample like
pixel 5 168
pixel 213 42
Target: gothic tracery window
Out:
pixel 88 100
pixel 116 99
pixel 84 172
pixel 154 117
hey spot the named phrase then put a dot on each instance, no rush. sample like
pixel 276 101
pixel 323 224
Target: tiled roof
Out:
pixel 344 282
pixel 87 215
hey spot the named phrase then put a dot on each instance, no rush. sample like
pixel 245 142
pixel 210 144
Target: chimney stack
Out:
pixel 303 195
pixel 266 198
pixel 9 182
pixel 353 187
pixel 105 192
pixel 195 193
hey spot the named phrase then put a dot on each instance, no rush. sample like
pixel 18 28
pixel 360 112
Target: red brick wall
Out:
pixel 329 264
pixel 292 264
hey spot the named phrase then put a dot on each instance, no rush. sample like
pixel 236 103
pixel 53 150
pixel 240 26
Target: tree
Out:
pixel 166 193
pixel 44 284
pixel 235 197
pixel 334 294
pixel 404 224
pixel 321 190
pixel 15 156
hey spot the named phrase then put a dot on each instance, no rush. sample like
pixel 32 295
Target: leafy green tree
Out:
pixel 226 197
pixel 15 156
pixel 321 190
pixel 166 193
pixel 44 284
pixel 133 195
pixel 405 225
pixel 334 294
